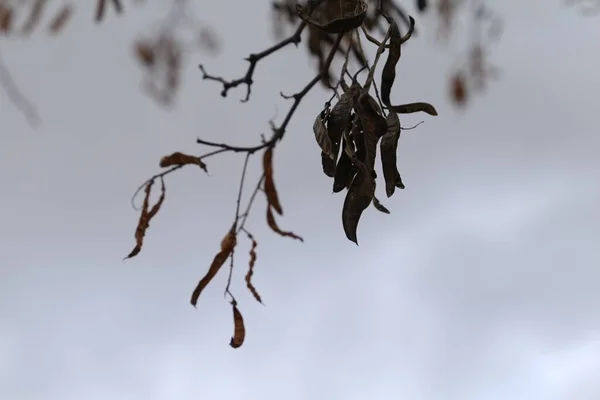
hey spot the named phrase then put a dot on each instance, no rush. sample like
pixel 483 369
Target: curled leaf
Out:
pixel 270 190
pixel 380 207
pixel 239 331
pixel 322 136
pixel 352 17
pixel 413 108
pixel 250 272
pixel 61 19
pixel 180 159
pixel 273 225
pixel 358 198
pixel 146 215
pixel 227 245
pixel 388 150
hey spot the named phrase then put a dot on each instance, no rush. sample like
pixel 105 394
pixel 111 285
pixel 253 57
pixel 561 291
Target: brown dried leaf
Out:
pixel 273 225
pixel 181 159
pixel 380 207
pixel 144 52
pixel 458 89
pixel 34 17
pixel 146 215
pixel 358 198
pixel 61 19
pixel 227 245
pixel 349 20
pixel 388 149
pixel 388 74
pixel 6 18
pixel 321 135
pixel 270 190
pixel 239 331
pixel 250 272
pixel 413 108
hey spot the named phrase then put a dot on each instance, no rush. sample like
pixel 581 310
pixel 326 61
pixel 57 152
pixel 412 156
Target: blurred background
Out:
pixel 481 284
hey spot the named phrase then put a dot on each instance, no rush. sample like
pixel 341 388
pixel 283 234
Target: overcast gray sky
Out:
pixel 481 285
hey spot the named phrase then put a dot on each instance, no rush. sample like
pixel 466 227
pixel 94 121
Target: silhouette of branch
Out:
pixel 254 58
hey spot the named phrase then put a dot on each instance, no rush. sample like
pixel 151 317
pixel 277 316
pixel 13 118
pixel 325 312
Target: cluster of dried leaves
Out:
pixel 470 76
pixel 358 118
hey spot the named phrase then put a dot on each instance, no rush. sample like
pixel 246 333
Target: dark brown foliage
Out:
pixel 250 272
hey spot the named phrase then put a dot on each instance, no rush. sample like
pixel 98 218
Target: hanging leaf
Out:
pixel 358 198
pixel 344 23
pixel 388 74
pixel 146 215
pixel 250 272
pixel 322 136
pixel 388 150
pixel 344 171
pixel 239 331
pixel 270 190
pixel 227 245
pixel 60 20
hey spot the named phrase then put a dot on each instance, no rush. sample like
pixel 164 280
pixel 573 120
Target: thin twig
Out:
pixel 254 58
pixel 17 97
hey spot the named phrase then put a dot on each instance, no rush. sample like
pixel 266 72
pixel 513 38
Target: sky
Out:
pixel 480 285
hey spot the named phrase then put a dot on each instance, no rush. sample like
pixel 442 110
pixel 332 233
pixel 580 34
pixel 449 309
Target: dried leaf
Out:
pixel 239 331
pixel 250 272
pixel 180 159
pixel 380 207
pixel 337 124
pixel 344 171
pixel 346 22
pixel 273 225
pixel 374 127
pixel 227 245
pixel 146 215
pixel 388 74
pixel 144 52
pixel 35 15
pixel 388 149
pixel 413 108
pixel 458 89
pixel 61 19
pixel 270 190
pixel 358 198
pixel 6 18
pixel 328 165
pixel 321 135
